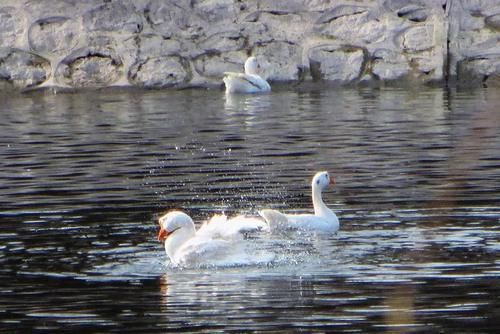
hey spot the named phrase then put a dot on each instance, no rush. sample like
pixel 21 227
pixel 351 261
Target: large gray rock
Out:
pixel 160 72
pixel 57 35
pixel 23 69
pixel 167 17
pixel 342 64
pixel 89 67
pixel 38 9
pixel 213 66
pixel 417 38
pixel 474 40
pixel 477 71
pixel 387 71
pixel 223 41
pixel 280 60
pixel 12 26
pixel 152 45
pixel 278 27
pixel 352 24
pixel 215 11
pixel 493 21
pixel 117 16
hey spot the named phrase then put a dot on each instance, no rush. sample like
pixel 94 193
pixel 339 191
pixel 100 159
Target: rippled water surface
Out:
pixel 84 176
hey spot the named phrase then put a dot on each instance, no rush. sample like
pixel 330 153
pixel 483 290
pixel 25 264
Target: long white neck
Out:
pixel 320 208
pixel 177 239
pixel 250 68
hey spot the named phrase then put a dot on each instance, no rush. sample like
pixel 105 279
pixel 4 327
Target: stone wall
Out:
pixel 182 43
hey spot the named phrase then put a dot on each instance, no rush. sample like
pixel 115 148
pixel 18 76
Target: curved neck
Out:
pixel 250 68
pixel 320 208
pixel 250 71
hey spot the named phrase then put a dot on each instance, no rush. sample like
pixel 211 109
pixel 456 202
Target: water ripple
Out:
pixel 85 176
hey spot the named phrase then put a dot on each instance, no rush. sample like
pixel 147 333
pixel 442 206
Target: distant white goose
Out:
pixel 248 82
pixel 217 242
pixel 323 219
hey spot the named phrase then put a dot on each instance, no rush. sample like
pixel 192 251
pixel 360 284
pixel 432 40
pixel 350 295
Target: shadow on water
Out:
pixel 84 177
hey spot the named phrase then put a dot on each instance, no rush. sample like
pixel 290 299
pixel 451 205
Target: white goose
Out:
pixel 323 219
pixel 217 242
pixel 248 82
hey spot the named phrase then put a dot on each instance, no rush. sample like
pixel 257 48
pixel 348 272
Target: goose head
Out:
pixel 322 180
pixel 176 228
pixel 252 66
pixel 173 222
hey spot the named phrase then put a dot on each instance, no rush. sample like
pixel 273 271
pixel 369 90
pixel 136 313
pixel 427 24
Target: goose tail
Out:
pixel 274 219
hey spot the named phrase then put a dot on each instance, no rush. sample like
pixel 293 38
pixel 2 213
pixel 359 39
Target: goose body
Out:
pixel 323 219
pixel 249 82
pixel 217 242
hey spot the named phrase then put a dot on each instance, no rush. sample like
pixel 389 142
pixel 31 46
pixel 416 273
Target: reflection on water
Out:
pixel 84 176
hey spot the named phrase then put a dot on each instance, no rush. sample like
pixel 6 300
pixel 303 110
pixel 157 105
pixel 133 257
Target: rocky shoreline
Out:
pixel 168 43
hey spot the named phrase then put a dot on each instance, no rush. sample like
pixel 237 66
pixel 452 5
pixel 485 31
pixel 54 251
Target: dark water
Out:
pixel 84 176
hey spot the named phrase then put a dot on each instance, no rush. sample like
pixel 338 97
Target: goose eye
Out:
pixel 317 181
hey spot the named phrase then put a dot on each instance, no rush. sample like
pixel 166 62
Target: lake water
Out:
pixel 84 177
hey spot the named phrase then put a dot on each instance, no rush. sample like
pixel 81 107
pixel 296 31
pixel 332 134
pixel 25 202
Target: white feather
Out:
pixel 248 82
pixel 220 241
pixel 323 219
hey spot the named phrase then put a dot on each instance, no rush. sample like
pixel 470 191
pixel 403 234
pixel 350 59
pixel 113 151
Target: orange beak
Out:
pixel 162 234
pixel 332 181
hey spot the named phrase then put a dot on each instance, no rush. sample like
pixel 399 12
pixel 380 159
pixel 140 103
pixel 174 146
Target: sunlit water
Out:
pixel 85 176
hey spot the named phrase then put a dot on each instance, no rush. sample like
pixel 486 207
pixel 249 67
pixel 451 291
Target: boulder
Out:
pixel 479 70
pixel 215 11
pixel 12 26
pixel 280 27
pixel 56 35
pixel 223 41
pixel 214 65
pixel 340 64
pixel 280 60
pixel 89 67
pixel 160 72
pixel 417 38
pixel 23 69
pixel 384 70
pixel 493 21
pixel 167 17
pixel 413 12
pixel 116 16
pixel 152 45
pixel 38 9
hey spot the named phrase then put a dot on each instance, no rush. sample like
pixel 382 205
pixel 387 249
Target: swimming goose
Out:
pixel 248 82
pixel 217 242
pixel 323 219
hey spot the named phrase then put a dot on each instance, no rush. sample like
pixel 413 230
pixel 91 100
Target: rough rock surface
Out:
pixel 22 68
pixel 474 42
pixel 179 43
pixel 89 67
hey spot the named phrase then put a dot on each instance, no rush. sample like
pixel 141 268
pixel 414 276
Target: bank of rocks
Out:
pixel 167 43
